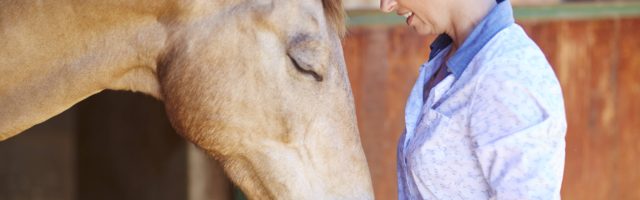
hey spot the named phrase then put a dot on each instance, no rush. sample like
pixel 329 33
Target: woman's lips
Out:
pixel 409 17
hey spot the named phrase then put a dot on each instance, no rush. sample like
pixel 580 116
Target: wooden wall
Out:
pixel 597 62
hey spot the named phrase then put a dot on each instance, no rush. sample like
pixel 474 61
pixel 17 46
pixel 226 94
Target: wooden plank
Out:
pixel 601 90
pixel 627 176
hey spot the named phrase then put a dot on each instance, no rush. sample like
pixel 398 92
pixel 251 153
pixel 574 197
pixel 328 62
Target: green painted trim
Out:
pixel 369 17
pixel 552 12
pixel 579 11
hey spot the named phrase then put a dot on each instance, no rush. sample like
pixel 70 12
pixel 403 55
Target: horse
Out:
pixel 260 85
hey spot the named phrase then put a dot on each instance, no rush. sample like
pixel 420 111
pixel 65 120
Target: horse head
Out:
pixel 259 84
pixel 262 86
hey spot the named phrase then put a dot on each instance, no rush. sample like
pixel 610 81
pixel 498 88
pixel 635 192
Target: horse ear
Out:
pixel 307 56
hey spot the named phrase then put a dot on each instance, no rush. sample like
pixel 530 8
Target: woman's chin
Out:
pixel 422 30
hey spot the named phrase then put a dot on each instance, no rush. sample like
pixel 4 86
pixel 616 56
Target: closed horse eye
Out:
pixel 305 68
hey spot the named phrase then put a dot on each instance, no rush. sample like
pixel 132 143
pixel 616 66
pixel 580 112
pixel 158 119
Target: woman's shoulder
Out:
pixel 512 44
pixel 511 56
pixel 512 60
pixel 511 52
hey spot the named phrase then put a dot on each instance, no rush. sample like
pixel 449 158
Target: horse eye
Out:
pixel 304 68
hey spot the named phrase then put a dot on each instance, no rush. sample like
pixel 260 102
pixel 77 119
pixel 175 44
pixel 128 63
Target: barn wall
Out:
pixel 596 60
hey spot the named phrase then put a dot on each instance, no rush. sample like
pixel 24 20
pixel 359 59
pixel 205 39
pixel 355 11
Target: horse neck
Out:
pixel 56 53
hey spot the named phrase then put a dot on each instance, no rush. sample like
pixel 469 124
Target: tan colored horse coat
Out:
pixel 259 84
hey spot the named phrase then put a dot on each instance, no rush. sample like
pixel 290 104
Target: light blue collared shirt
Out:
pixel 494 128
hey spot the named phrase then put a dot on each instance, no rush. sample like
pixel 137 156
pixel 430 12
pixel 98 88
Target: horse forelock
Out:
pixel 334 12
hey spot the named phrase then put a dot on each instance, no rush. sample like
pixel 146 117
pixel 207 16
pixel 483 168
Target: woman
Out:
pixel 485 118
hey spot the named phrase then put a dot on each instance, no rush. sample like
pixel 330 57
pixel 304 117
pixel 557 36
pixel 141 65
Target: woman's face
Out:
pixel 425 16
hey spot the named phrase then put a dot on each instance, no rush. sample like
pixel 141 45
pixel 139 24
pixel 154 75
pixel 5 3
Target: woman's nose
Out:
pixel 388 5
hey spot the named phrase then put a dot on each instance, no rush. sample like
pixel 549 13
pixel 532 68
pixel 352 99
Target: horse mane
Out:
pixel 334 11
